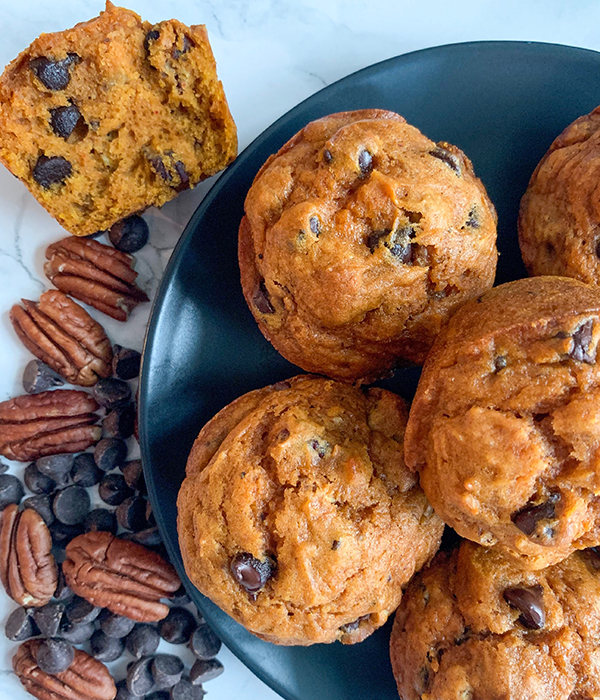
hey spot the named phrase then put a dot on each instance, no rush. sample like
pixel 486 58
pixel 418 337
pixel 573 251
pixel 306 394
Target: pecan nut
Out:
pixel 122 576
pixel 27 568
pixel 52 422
pixel 63 335
pixel 85 679
pixel 96 274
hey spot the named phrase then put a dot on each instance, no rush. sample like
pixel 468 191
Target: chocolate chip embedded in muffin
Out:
pixel 360 239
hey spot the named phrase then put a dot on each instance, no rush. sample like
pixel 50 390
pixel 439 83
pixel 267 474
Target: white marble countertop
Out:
pixel 271 54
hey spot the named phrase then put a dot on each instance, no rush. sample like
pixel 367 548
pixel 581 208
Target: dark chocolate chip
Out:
pixel 152 35
pixel 71 505
pixel 134 474
pixel 262 300
pixel 159 167
pixel 85 471
pixel 48 618
pixel 38 377
pixel 50 171
pixel 101 520
pixel 530 603
pixel 110 453
pixel 129 236
pixel 42 505
pixel 62 534
pixel 473 219
pixel 114 625
pixel 250 572
pixel 62 592
pixel 158 695
pixel 184 178
pixel 114 490
pixel 55 655
pixel 499 363
pixel 131 514
pixel 335 545
pixel 399 244
pixel 37 482
pixel 180 597
pixel 20 625
pixel 178 626
pixel 11 490
pixel 327 157
pixel 374 238
pixel 123 691
pixel 527 518
pixel 319 447
pixel 581 343
pixel 315 225
pixel 205 670
pixel 139 676
pixel 167 670
pixel 53 74
pixel 448 158
pixel 111 393
pixel 57 467
pixel 149 537
pixel 204 643
pixel 126 362
pixel 105 648
pixel 63 120
pixel 354 625
pixel 186 45
pixel 185 690
pixel 365 162
pixel 120 422
pixel 142 640
pixel 76 632
pixel 79 610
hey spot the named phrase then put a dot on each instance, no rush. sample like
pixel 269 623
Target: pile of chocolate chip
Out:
pixel 60 479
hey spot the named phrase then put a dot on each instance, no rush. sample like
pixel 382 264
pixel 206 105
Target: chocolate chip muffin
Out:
pixel 475 625
pixel 112 116
pixel 360 238
pixel 558 221
pixel 505 425
pixel 298 516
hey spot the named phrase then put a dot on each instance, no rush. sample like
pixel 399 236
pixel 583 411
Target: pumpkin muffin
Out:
pixel 298 516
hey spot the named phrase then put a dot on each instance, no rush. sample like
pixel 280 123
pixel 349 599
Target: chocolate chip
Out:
pixel 399 244
pixel 123 691
pixel 38 377
pixel 54 655
pixel 448 158
pixel 152 35
pixel 62 534
pixel 158 165
pixel 71 505
pixel 204 643
pixel 53 74
pixel 180 597
pixel 50 171
pixel 85 471
pixel 79 610
pixel 37 482
pixel 250 572
pixel 319 447
pixel 335 545
pixel 101 520
pixel 530 603
pixel 327 157
pixel 110 453
pixel 158 695
pixel 315 225
pixel 131 514
pixel 473 218
pixel 139 677
pixel 186 45
pixel 262 300
pixel 62 591
pixel 76 632
pixel 280 386
pixel 20 625
pixel 365 162
pixel 11 490
pixel 48 618
pixel 149 537
pixel 129 236
pixel 126 362
pixel 581 343
pixel 134 474
pixel 528 518
pixel 142 640
pixel 167 670
pixel 354 625
pixel 56 467
pixel 114 490
pixel 115 626
pixel 42 505
pixel 185 690
pixel 105 648
pixel 120 422
pixel 63 120
pixel 178 626
pixel 111 393
pixel 205 670
pixel 499 363
pixel 184 178
pixel 3 467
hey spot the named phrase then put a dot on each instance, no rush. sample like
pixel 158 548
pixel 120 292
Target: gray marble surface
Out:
pixel 271 54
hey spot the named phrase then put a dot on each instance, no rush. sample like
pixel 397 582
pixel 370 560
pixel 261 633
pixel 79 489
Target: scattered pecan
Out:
pixel 122 576
pixel 27 568
pixel 52 422
pixel 96 274
pixel 85 679
pixel 63 335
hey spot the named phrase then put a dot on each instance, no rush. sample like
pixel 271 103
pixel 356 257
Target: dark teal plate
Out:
pixel 503 103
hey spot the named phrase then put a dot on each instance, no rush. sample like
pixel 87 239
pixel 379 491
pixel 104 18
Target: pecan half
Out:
pixel 96 274
pixel 85 679
pixel 122 576
pixel 49 423
pixel 63 335
pixel 27 567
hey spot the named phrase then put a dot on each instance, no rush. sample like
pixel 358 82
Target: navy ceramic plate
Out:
pixel 501 102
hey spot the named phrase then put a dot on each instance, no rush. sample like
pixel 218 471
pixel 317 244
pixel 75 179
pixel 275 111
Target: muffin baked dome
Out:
pixel 505 425
pixel 298 516
pixel 360 238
